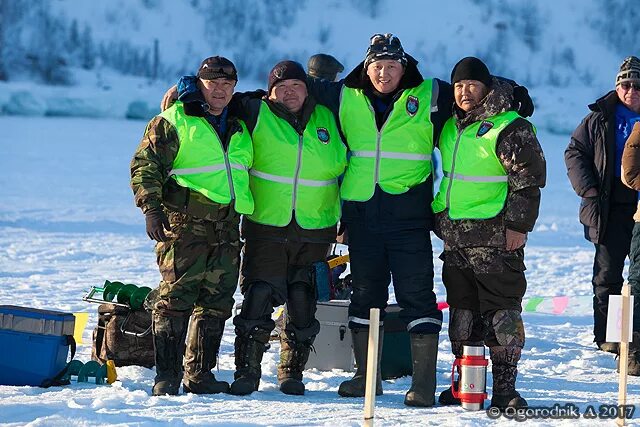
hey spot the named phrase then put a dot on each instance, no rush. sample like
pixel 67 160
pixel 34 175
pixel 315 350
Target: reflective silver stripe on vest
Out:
pixel 205 169
pixel 492 178
pixel 423 320
pixel 361 321
pixel 285 180
pixel 391 155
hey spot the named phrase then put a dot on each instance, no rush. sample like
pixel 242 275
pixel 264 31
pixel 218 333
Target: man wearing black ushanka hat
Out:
pixel 488 201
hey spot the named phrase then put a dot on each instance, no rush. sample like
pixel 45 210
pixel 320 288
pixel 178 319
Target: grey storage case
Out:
pixel 333 349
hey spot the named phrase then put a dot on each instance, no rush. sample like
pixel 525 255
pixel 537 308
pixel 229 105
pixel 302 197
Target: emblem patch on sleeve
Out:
pixel 485 127
pixel 323 135
pixel 412 105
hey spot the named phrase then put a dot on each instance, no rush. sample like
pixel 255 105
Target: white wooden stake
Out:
pixel 372 367
pixel 624 353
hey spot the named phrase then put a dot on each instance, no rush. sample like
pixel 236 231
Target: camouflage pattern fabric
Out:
pixel 466 327
pixel 485 260
pixel 109 343
pixel 150 181
pixel 522 157
pixel 199 265
pixel 152 162
pixel 506 327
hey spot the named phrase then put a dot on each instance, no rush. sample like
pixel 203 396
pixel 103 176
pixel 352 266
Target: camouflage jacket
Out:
pixel 150 168
pixel 521 155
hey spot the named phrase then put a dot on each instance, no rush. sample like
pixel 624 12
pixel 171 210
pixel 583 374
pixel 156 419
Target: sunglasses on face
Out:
pixel 630 85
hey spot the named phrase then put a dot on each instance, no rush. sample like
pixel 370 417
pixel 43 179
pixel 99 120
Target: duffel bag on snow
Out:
pixel 124 336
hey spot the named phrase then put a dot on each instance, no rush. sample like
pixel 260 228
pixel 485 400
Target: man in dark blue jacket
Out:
pixel 593 160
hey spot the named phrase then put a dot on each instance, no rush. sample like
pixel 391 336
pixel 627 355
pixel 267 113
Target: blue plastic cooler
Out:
pixel 33 344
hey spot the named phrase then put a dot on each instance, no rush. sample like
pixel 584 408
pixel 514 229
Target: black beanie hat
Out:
pixel 471 68
pixel 286 70
pixel 217 67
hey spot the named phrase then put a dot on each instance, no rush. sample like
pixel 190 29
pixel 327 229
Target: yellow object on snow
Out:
pixel 81 323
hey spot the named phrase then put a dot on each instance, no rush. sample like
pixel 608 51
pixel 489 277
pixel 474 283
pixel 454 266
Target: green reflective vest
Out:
pixel 203 165
pixel 398 156
pixel 293 172
pixel 475 182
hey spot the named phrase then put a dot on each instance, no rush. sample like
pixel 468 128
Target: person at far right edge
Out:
pixel 488 201
pixel 593 159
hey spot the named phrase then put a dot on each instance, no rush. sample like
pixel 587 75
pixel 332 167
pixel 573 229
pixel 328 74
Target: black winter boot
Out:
pixel 355 387
pixel 203 344
pixel 168 341
pixel 633 364
pixel 609 347
pixel 424 355
pixel 249 349
pixel 293 358
pixel 504 369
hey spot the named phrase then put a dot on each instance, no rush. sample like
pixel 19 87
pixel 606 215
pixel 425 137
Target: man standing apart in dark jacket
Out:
pixel 190 178
pixel 488 201
pixel 593 160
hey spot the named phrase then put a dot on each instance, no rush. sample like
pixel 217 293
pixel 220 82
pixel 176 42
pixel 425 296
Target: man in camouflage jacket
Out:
pixel 195 224
pixel 483 255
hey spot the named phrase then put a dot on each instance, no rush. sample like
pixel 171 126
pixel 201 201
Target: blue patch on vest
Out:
pixel 412 105
pixel 485 127
pixel 323 135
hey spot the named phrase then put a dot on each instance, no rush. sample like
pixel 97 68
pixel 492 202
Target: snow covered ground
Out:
pixel 67 222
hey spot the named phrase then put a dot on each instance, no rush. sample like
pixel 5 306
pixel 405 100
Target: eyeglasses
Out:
pixel 630 85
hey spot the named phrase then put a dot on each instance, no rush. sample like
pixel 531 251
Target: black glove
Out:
pixel 522 102
pixel 157 222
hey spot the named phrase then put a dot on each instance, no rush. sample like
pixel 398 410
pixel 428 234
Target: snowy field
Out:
pixel 67 222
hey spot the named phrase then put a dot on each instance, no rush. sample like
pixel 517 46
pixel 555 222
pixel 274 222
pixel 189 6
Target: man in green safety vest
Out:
pixel 190 177
pixel 299 155
pixel 488 201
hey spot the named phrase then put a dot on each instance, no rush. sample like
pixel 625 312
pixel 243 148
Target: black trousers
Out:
pixel 405 255
pixel 274 273
pixel 608 264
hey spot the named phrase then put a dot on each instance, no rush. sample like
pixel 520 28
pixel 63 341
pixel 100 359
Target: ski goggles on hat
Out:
pixel 385 46
pixel 217 68
pixel 385 43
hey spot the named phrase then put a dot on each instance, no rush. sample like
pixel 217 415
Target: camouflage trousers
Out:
pixel 485 287
pixel 199 265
